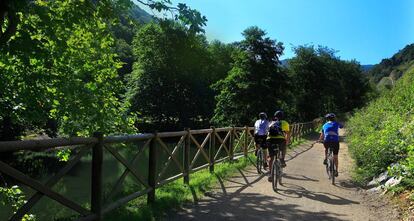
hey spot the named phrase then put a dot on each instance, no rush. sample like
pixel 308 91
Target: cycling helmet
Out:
pixel 330 116
pixel 262 115
pixel 278 114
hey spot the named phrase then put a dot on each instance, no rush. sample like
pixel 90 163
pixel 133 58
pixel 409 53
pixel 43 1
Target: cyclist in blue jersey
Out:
pixel 330 137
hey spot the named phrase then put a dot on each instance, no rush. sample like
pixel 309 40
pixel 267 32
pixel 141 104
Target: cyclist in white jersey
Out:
pixel 261 127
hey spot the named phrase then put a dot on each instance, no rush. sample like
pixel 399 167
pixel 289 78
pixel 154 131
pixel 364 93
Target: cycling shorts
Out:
pixel 332 144
pixel 273 143
pixel 261 140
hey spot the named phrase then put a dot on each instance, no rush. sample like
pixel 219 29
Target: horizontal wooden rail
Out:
pixel 208 147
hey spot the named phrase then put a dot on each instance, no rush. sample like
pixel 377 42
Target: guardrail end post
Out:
pixel 96 184
pixel 246 144
pixel 186 157
pixel 231 146
pixel 152 170
pixel 212 149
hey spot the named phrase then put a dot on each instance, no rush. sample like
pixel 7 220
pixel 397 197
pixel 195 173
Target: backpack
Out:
pixel 275 129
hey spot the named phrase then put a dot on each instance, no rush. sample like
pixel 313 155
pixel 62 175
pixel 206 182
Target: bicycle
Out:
pixel 277 169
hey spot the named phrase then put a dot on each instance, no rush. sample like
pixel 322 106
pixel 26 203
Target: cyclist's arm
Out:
pixel 321 136
pixel 286 130
pixel 287 137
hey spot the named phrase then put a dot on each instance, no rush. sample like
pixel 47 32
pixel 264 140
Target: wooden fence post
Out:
pixel 96 187
pixel 186 157
pixel 246 144
pixel 212 149
pixel 294 133
pixel 231 144
pixel 152 169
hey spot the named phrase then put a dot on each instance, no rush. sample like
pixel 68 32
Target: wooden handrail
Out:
pixel 237 142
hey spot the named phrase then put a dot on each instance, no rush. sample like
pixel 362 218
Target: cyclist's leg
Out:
pixel 263 145
pixel 272 153
pixel 335 148
pixel 282 148
pixel 326 152
pixel 257 144
pixel 266 155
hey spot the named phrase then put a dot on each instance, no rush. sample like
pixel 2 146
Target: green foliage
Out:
pixel 382 133
pixel 255 82
pixel 14 198
pixel 323 83
pixel 169 86
pixel 60 65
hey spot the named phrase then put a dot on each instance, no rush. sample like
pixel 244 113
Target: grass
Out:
pixel 172 195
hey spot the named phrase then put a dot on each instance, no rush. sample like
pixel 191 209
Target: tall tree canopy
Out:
pixel 168 87
pixel 323 83
pixel 255 83
pixel 60 65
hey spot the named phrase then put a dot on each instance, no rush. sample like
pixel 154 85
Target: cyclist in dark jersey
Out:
pixel 278 133
pixel 330 137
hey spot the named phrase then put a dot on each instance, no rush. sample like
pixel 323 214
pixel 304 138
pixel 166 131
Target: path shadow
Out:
pixel 296 191
pixel 298 177
pixel 251 206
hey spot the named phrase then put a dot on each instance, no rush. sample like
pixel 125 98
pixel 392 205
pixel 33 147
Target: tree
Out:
pixel 221 60
pixel 168 87
pixel 323 83
pixel 60 65
pixel 10 10
pixel 255 83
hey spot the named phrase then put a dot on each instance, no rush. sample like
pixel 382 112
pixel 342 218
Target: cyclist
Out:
pixel 330 137
pixel 278 133
pixel 260 132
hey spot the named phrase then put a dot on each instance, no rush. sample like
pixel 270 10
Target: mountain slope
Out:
pixel 381 134
pixel 395 66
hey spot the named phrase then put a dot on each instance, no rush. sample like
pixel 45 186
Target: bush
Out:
pixel 382 133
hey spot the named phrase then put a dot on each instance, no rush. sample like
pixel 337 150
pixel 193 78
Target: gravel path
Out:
pixel 306 194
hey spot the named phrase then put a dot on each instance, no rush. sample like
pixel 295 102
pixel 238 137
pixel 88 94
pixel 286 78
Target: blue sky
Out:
pixel 365 30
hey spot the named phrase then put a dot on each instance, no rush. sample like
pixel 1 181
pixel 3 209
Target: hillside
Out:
pixel 140 14
pixel 381 135
pixel 392 68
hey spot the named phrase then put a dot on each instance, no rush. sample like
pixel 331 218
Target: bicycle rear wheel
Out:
pixel 332 169
pixel 276 174
pixel 329 166
pixel 259 160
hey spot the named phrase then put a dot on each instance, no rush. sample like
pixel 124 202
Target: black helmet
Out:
pixel 262 115
pixel 279 114
pixel 330 116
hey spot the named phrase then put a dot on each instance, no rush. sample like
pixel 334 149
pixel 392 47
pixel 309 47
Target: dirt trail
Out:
pixel 306 194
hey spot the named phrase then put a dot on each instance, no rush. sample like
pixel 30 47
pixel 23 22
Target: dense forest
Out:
pixel 75 67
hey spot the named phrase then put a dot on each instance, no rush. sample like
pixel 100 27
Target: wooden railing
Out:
pixel 209 146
